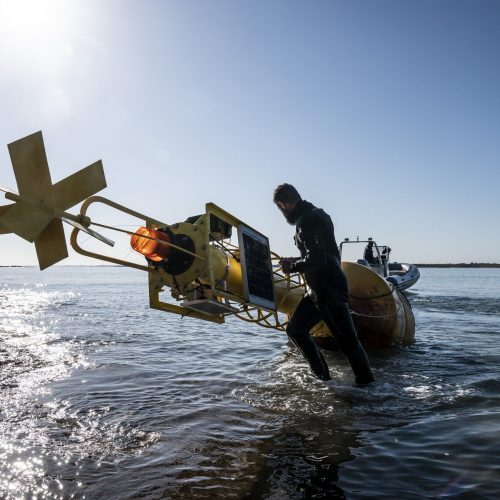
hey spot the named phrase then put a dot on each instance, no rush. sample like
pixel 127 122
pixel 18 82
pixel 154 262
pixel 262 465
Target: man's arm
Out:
pixel 311 236
pixel 287 262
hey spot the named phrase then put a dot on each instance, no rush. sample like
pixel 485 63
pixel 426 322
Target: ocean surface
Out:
pixel 102 397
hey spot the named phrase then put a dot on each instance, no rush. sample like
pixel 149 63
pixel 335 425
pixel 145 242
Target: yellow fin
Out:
pixel 31 168
pixel 79 186
pixel 51 245
pixel 3 209
pixel 26 220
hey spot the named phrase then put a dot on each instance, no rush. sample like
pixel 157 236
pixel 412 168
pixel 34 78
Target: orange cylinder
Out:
pixel 155 249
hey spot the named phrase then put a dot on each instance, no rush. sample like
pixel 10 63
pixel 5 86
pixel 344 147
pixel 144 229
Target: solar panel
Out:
pixel 256 267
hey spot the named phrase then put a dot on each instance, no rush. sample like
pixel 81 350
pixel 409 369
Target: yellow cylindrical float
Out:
pixel 381 313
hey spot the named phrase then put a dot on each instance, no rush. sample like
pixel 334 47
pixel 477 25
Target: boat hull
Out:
pixel 405 278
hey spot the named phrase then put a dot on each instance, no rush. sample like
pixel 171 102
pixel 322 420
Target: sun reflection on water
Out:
pixel 31 356
pixel 46 440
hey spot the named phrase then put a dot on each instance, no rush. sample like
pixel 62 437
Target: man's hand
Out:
pixel 286 264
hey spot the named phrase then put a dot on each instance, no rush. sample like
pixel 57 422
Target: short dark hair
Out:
pixel 286 193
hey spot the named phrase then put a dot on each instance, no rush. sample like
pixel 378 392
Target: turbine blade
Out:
pixel 3 209
pixel 25 220
pixel 51 245
pixel 79 186
pixel 31 168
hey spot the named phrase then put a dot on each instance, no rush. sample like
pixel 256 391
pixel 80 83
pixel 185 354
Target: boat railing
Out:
pixel 380 263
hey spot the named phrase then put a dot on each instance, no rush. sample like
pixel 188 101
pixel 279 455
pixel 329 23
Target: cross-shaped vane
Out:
pixel 40 206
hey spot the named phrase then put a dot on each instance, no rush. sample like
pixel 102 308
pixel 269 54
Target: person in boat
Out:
pixel 368 254
pixel 327 298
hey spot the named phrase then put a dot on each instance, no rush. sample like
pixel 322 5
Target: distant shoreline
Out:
pixel 471 264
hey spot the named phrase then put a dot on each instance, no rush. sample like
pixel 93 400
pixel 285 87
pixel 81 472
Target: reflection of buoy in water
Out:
pixel 381 313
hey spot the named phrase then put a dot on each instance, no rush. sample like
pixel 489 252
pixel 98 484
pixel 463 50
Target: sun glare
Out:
pixel 32 18
pixel 38 42
pixel 24 17
pixel 33 28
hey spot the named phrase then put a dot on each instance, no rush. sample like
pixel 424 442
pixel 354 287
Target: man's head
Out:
pixel 286 198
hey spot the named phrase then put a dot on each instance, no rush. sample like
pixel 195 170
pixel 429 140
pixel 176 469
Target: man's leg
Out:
pixel 338 318
pixel 304 318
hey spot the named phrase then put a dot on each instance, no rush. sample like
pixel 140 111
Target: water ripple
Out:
pixel 103 398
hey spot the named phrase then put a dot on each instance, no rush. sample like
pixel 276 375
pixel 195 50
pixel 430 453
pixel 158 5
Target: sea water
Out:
pixel 102 397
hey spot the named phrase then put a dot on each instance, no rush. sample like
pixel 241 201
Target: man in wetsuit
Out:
pixel 319 262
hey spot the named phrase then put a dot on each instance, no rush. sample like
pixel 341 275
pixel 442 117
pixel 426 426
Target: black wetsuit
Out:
pixel 327 299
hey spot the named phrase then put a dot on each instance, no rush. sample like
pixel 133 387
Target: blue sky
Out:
pixel 385 113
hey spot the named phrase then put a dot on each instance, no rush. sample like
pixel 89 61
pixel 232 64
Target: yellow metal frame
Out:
pixel 262 315
pixel 213 209
pixel 209 267
pixel 262 318
pixel 157 279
